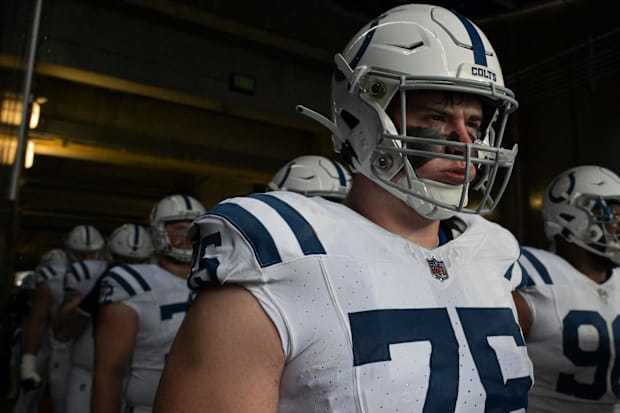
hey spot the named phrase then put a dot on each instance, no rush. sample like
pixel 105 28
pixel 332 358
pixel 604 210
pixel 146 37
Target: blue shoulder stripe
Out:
pixel 47 272
pixel 526 281
pixel 73 270
pixel 252 230
pixel 542 270
pixel 135 274
pixel 121 281
pixel 306 237
pixel 85 270
pixel 508 273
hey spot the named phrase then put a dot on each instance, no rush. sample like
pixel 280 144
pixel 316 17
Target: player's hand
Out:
pixel 30 379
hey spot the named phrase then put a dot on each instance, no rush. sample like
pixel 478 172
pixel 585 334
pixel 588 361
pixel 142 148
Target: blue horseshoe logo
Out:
pixel 562 197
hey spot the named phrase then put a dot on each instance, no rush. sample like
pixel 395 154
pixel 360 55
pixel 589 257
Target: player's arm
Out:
pixel 37 324
pixel 39 316
pixel 524 312
pixel 227 357
pixel 68 322
pixel 115 338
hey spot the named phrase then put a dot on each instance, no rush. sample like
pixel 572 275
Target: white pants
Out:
pixel 60 363
pixel 79 389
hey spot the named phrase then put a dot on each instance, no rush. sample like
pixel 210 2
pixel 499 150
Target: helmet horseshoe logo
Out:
pixel 562 197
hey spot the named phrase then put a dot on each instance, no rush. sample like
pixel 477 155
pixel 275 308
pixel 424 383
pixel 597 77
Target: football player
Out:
pixel 141 309
pixel 129 244
pixel 570 309
pixel 83 242
pixel 34 364
pixel 397 300
pixel 313 175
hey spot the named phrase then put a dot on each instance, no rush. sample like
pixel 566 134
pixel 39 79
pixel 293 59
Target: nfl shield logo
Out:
pixel 438 269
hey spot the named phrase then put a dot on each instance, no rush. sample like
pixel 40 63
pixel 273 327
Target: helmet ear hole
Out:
pixel 350 120
pixel 595 233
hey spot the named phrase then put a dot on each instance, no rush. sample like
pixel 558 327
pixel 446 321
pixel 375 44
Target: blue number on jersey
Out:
pixel 373 331
pixel 598 358
pixel 168 310
pixel 198 253
pixel 478 325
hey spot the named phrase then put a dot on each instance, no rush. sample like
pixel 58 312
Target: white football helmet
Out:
pixel 130 241
pixel 173 208
pixel 83 239
pixel 420 47
pixel 576 206
pixel 313 175
pixel 55 257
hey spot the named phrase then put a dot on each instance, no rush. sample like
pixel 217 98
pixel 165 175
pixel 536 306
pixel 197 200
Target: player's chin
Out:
pixel 455 176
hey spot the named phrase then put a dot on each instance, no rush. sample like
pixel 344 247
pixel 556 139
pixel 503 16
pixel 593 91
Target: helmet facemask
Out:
pixel 397 155
pixel 600 215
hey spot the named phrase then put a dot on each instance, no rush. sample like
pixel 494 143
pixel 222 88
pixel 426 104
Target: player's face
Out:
pixel 178 234
pixel 455 117
pixel 614 226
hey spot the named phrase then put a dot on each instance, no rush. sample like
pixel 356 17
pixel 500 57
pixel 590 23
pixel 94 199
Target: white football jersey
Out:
pixel 81 277
pixel 160 300
pixel 574 336
pixel 369 321
pixel 53 276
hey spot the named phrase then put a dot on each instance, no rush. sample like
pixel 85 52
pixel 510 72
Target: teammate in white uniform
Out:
pixel 571 308
pixel 313 175
pixel 142 308
pixel 130 244
pixel 83 242
pixel 34 362
pixel 396 300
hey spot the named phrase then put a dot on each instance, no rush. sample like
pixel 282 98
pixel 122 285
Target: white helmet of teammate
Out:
pixel 130 241
pixel 576 206
pixel 83 239
pixel 420 47
pixel 55 257
pixel 313 175
pixel 173 208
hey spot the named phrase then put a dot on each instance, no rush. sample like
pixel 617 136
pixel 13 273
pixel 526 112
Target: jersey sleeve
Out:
pixel 224 249
pixel 502 250
pixel 45 273
pixel 246 241
pixel 123 283
pixel 537 290
pixel 74 274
